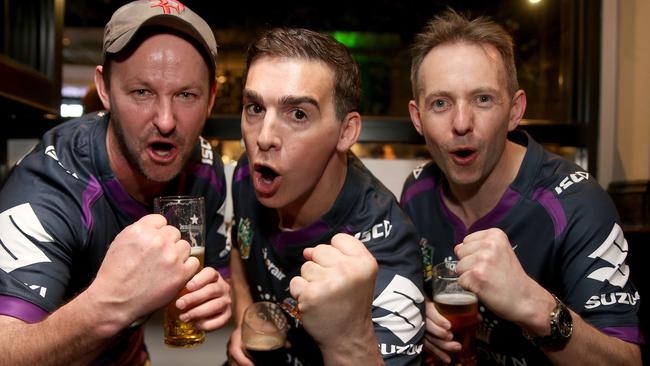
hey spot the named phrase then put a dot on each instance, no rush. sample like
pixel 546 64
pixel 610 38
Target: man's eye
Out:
pixel 140 92
pixel 186 94
pixel 439 104
pixel 299 114
pixel 254 109
pixel 484 98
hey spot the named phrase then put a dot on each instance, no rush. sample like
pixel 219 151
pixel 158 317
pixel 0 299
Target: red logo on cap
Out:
pixel 167 6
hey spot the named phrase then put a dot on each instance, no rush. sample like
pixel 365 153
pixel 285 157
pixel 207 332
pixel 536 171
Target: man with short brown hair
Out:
pixel 314 230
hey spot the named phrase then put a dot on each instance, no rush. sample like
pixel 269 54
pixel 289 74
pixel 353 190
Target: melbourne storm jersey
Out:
pixel 61 208
pixel 566 233
pixel 364 208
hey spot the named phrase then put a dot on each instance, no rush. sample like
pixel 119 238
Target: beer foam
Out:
pixel 263 343
pixel 197 251
pixel 461 298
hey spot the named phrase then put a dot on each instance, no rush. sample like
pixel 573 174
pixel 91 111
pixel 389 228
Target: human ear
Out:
pixel 102 88
pixel 415 116
pixel 517 109
pixel 349 132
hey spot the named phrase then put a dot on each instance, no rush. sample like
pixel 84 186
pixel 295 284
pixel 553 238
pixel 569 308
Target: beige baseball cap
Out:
pixel 127 20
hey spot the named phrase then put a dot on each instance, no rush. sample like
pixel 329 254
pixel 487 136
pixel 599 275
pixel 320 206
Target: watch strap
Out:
pixel 561 324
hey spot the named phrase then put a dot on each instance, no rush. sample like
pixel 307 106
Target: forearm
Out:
pixel 589 346
pixel 241 291
pixel 69 336
pixel 357 350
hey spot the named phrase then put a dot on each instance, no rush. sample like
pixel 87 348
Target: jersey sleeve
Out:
pixel 41 227
pixel 593 250
pixel 398 304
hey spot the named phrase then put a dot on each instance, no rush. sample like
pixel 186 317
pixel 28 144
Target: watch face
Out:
pixel 565 323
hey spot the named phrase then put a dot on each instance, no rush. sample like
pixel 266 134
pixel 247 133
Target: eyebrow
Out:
pixel 288 100
pixel 295 100
pixel 485 90
pixel 251 95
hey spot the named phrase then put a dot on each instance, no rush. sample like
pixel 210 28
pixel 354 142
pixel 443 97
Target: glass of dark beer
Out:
pixel 264 332
pixel 460 307
pixel 187 214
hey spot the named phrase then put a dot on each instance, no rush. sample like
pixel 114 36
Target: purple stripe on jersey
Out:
pixel 92 192
pixel 21 309
pixel 130 206
pixel 284 238
pixel 628 334
pixel 490 220
pixel 553 208
pixel 460 231
pixel 206 172
pixel 242 173
pixel 418 187
pixel 224 272
pixel 506 203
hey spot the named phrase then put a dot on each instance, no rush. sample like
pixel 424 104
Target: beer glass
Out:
pixel 187 215
pixel 264 331
pixel 460 307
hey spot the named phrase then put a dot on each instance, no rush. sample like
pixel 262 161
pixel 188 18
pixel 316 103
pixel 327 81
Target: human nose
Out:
pixel 165 121
pixel 463 122
pixel 268 137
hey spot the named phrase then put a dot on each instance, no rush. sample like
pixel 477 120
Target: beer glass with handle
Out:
pixel 264 332
pixel 460 307
pixel 187 215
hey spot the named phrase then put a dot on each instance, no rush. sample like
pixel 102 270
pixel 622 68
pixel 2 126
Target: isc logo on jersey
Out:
pixel 206 151
pixel 400 298
pixel 613 251
pixel 380 230
pixel 571 179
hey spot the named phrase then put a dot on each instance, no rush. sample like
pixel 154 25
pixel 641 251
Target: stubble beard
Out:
pixel 132 156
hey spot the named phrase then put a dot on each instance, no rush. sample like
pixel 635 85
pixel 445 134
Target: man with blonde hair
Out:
pixel 538 241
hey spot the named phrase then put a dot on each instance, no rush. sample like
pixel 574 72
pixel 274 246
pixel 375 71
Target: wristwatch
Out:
pixel 561 329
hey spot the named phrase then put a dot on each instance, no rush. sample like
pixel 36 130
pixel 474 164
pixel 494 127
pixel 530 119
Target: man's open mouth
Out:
pixel 267 174
pixel 463 153
pixel 162 148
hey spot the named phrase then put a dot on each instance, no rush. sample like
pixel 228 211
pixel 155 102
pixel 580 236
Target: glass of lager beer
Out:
pixel 264 332
pixel 187 215
pixel 460 307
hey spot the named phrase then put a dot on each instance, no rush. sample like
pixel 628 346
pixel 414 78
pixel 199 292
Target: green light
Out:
pixel 366 40
pixel 349 39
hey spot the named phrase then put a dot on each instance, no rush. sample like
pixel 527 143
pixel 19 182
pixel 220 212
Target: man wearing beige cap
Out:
pixel 82 260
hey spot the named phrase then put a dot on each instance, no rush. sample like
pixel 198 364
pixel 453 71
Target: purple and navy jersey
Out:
pixel 61 208
pixel 566 233
pixel 364 208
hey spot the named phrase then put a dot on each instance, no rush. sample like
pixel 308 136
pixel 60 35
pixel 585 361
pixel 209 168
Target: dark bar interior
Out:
pixel 49 48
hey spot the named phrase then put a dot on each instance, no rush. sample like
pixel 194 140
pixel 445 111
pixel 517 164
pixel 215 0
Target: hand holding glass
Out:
pixel 264 332
pixel 187 215
pixel 460 307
